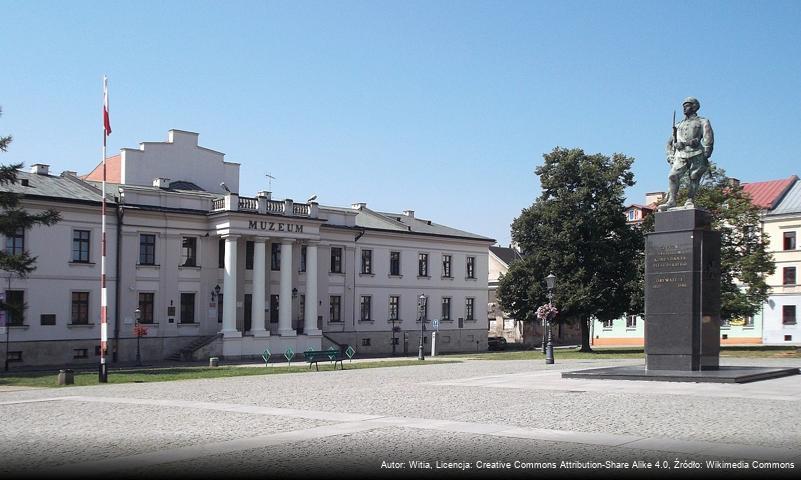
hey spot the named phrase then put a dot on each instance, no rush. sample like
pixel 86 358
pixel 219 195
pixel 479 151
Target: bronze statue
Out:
pixel 688 151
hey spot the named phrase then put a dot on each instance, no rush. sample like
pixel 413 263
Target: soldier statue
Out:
pixel 688 151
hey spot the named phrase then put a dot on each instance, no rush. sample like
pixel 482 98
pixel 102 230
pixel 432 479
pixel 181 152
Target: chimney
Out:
pixel 161 182
pixel 734 182
pixel 409 213
pixel 358 206
pixel 40 169
pixel 70 173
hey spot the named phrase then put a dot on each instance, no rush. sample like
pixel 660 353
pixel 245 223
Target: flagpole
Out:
pixel 103 375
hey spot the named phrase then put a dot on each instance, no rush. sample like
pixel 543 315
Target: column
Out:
pixel 310 307
pixel 259 273
pixel 285 292
pixel 229 288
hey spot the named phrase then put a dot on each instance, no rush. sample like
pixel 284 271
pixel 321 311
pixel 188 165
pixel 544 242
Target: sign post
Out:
pixel 435 326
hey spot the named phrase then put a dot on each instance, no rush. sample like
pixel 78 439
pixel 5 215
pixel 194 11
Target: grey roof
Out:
pixel 184 185
pixel 506 254
pixel 418 225
pixel 112 187
pixel 53 186
pixel 791 203
pixel 367 218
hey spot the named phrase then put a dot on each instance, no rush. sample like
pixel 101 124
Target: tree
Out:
pixel 577 231
pixel 745 261
pixel 13 218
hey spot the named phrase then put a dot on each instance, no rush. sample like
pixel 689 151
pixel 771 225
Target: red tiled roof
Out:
pixel 767 194
pixel 113 171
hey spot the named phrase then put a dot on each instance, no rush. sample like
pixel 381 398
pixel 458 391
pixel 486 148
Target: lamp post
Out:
pixel 421 305
pixel 137 316
pixel 550 282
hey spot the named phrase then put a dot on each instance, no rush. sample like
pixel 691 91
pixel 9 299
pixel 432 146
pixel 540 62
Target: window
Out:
pixel 788 315
pixel 366 303
pixel 47 319
pixel 189 252
pixel 220 307
pixel 789 240
pixel 187 308
pixel 80 308
pixel 394 263
pixel 273 308
pixel 15 244
pixel 302 258
pixel 632 215
pixel 607 324
pixel 146 301
pixel 14 356
pixel 394 307
pixel 446 309
pixel 471 267
pixel 446 266
pixel 336 259
pixel 788 276
pixel 221 253
pixel 15 307
pixel 367 261
pixel 80 353
pixel 275 256
pixel 631 321
pixel 249 246
pixel 147 249
pixel 365 342
pixel 336 307
pixel 80 246
pixel 422 264
pixel 468 308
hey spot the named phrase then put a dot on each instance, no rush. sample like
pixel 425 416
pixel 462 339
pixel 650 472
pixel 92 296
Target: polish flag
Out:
pixel 106 122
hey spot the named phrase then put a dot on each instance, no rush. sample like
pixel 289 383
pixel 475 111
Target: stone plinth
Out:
pixel 682 292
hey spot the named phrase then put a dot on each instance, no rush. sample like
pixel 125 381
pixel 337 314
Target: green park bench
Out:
pixel 314 356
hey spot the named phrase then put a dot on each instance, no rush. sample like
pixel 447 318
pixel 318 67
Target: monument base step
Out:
pixel 727 374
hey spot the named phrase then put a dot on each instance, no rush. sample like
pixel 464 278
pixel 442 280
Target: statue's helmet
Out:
pixel 693 101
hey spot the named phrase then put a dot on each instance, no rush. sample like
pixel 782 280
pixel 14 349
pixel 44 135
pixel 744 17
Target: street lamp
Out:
pixel 550 282
pixel 137 316
pixel 421 305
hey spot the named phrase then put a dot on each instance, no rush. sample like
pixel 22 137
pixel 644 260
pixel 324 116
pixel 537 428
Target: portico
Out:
pixel 290 237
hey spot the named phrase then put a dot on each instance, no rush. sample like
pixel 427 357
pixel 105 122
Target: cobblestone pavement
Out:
pixel 473 418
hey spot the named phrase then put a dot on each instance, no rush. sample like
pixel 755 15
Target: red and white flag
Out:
pixel 106 121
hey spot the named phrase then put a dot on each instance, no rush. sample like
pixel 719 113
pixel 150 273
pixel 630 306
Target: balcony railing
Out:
pixel 263 205
pixel 248 204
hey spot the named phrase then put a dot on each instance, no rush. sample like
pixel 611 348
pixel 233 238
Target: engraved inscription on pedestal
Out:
pixel 680 280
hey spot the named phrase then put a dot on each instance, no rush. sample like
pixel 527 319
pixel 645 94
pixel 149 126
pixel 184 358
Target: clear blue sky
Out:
pixel 443 107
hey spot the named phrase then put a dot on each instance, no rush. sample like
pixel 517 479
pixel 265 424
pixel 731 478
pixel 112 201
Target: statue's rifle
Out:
pixel 675 139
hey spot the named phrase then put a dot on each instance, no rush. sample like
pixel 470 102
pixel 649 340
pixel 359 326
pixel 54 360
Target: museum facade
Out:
pixel 206 271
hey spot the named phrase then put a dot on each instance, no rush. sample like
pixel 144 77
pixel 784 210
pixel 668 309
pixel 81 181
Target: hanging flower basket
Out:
pixel 547 312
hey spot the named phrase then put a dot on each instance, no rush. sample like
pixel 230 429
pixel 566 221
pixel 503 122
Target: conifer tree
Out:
pixel 13 218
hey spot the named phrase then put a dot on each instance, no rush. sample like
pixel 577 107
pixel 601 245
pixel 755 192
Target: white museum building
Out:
pixel 210 272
